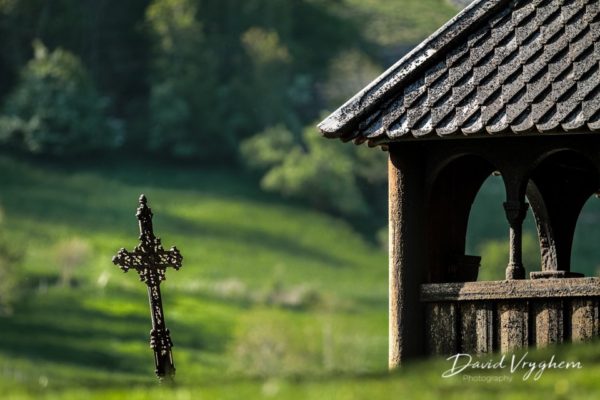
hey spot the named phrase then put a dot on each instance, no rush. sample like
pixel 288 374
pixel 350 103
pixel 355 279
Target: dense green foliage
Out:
pixel 182 119
pixel 107 35
pixel 193 78
pixel 55 108
pixel 322 173
pixel 211 87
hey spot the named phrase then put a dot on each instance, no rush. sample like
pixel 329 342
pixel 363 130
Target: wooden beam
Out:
pixel 514 289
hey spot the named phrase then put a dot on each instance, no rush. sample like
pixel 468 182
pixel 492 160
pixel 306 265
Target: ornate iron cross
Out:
pixel 150 260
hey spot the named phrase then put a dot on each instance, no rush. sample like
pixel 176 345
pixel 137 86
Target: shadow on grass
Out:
pixel 56 327
pixel 109 215
pixel 59 329
pixel 253 238
pixel 102 195
pixel 105 199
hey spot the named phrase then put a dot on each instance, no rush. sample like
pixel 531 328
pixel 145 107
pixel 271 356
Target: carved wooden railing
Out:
pixel 481 317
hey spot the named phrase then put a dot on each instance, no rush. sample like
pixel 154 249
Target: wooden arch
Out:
pixel 450 197
pixel 558 187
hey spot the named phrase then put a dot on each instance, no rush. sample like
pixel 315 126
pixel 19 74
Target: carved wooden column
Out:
pixel 516 211
pixel 407 264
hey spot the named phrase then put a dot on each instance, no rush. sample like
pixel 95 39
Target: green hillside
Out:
pixel 260 278
pixel 274 300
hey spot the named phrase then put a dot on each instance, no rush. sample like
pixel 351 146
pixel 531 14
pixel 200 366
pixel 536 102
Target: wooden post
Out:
pixel 515 213
pixel 442 328
pixel 585 317
pixel 406 254
pixel 477 327
pixel 548 322
pixel 512 322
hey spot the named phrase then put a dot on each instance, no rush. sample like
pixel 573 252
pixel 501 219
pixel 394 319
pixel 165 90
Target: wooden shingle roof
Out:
pixel 499 67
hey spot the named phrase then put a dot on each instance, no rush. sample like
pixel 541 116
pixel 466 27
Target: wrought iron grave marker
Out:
pixel 150 260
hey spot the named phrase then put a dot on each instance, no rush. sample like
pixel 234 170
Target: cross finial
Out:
pixel 143 208
pixel 144 216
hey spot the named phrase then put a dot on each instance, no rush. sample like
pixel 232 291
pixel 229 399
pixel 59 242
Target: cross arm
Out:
pixel 126 260
pixel 170 258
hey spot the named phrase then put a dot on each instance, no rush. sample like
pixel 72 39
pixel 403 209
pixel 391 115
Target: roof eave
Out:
pixel 343 120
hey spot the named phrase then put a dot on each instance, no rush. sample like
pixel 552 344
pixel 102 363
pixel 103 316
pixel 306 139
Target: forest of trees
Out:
pixel 224 82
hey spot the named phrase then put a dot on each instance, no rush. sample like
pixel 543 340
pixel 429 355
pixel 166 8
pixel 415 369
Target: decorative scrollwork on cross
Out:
pixel 151 261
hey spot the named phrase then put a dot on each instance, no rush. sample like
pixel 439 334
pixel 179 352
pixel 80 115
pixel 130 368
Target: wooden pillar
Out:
pixel 559 187
pixel 515 213
pixel 442 328
pixel 585 319
pixel 407 262
pixel 477 327
pixel 548 322
pixel 513 327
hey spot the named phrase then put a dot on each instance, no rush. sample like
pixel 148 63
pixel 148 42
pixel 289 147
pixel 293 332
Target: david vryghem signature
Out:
pixel 463 362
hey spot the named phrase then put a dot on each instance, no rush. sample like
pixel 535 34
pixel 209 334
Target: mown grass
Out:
pixel 267 289
pixel 274 300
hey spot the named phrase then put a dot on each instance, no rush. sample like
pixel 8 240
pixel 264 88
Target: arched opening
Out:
pixel 487 233
pixel 558 188
pixel 585 253
pixel 449 203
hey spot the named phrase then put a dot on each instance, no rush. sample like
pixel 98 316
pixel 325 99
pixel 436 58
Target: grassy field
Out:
pixel 274 300
pixel 260 278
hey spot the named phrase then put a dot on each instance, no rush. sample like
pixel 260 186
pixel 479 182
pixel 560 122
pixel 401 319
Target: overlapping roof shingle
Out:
pixel 499 67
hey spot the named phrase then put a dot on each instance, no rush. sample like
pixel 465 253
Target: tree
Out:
pixel 314 170
pixel 183 94
pixel 110 44
pixel 55 108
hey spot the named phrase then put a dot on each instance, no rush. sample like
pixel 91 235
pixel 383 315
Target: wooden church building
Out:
pixel 506 87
